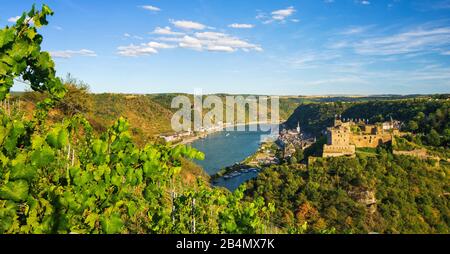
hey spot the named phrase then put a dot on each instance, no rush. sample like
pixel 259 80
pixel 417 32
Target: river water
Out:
pixel 226 148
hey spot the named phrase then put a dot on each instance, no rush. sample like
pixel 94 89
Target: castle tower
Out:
pixel 337 120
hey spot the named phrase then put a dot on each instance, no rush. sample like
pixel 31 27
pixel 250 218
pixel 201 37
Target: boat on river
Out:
pixel 235 174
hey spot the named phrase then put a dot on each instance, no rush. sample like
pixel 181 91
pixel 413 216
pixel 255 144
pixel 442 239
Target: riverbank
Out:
pixel 190 139
pixel 265 156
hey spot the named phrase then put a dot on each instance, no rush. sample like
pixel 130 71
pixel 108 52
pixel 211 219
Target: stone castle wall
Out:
pixel 371 141
pixel 420 153
pixel 336 151
pixel 344 138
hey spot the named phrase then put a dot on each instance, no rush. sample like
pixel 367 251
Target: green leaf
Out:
pixel 21 19
pixel 17 129
pixel 43 157
pixel 92 219
pixel 131 208
pixel 200 156
pixel 31 33
pixel 3 69
pixel 45 61
pixel 15 190
pixel 116 180
pixel 19 170
pixel 112 224
pixel 19 50
pixel 46 10
pixel 58 137
pixel 37 141
pixel 6 36
pixel 63 138
pixel 176 170
pixel 4 160
pixel 32 12
pixel 52 139
pixel 99 147
pixel 37 21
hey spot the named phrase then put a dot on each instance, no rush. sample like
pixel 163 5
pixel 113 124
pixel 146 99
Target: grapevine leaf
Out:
pixel 14 190
pixel 63 138
pixel 91 220
pixel 112 224
pixel 21 171
pixel 43 157
pixel 6 36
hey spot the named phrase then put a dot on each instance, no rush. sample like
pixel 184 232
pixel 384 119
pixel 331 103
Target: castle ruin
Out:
pixel 345 136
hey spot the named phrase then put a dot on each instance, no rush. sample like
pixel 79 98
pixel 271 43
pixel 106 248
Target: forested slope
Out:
pixel 411 195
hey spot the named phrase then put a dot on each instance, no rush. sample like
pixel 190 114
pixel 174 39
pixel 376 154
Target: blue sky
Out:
pixel 283 47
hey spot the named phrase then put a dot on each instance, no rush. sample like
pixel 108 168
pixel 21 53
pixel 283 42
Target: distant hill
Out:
pixel 150 115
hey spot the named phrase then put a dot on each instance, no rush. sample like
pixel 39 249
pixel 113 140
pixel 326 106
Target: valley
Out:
pixel 135 152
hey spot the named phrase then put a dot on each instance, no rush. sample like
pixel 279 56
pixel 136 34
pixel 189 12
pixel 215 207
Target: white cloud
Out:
pixel 150 8
pixel 166 31
pixel 129 36
pixel 446 53
pixel 159 45
pixel 312 59
pixel 221 41
pixel 144 49
pixel 192 39
pixel 356 30
pixel 429 38
pixel 220 48
pixel 261 15
pixel 189 25
pixel 191 43
pixel 418 40
pixel 72 53
pixel 277 16
pixel 170 39
pixel 14 20
pixel 210 35
pixel 199 41
pixel 338 45
pixel 284 13
pixel 338 80
pixel 236 25
pixel 136 50
pixel 364 2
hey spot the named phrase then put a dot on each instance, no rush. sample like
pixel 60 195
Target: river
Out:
pixel 226 148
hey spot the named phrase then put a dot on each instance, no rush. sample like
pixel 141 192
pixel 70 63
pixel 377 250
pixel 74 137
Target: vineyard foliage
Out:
pixel 63 178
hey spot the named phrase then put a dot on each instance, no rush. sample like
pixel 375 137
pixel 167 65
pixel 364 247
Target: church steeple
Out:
pixel 298 127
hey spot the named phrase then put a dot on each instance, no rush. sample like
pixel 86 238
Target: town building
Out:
pixel 290 140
